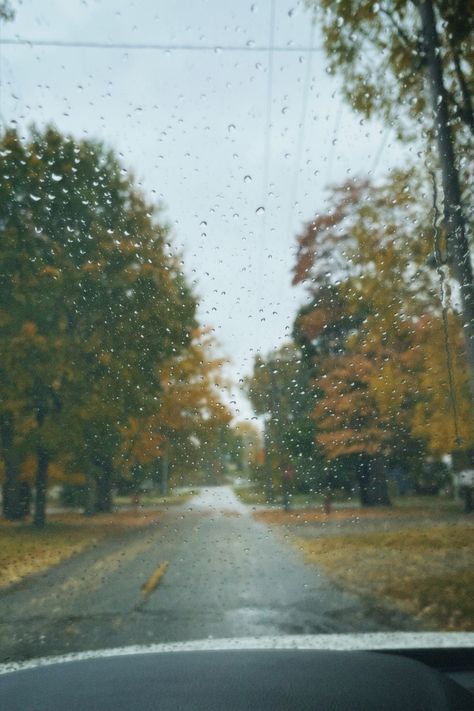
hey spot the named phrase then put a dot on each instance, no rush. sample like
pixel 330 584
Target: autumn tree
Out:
pixel 248 445
pixel 186 429
pixel 362 321
pixel 279 391
pixel 412 62
pixel 442 414
pixel 92 304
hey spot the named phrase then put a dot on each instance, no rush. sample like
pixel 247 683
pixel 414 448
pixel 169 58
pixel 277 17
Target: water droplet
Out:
pixel 57 178
pixel 35 198
pixel 260 210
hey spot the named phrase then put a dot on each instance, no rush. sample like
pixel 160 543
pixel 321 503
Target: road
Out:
pixel 227 576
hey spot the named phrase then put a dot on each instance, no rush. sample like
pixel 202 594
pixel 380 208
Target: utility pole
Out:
pixel 267 448
pixel 457 242
pixel 164 471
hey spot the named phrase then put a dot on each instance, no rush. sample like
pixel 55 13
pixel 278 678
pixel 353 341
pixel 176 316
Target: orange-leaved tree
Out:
pixel 366 269
pixel 183 432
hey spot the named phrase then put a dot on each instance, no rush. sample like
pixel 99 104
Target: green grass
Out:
pixel 254 495
pixel 251 496
pixel 156 499
pixel 315 499
pixel 438 503
pixel 171 500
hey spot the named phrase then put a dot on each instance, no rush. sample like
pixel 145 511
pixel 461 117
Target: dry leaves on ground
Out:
pixel 427 573
pixel 24 550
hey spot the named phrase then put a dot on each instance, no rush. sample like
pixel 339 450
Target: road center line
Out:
pixel 154 579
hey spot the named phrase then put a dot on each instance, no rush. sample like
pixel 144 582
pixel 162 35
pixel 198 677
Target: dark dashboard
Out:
pixel 234 680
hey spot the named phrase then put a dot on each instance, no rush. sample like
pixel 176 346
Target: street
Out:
pixel 206 570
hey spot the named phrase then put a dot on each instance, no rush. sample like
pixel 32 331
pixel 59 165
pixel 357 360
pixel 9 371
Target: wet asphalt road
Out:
pixel 228 576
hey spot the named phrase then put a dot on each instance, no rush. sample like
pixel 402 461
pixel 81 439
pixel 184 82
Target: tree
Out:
pixel 360 327
pixel 6 11
pixel 30 343
pixel 247 446
pixel 279 391
pixel 186 429
pixel 410 61
pixel 442 417
pixel 92 306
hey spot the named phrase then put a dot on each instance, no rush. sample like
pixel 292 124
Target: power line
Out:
pixel 268 118
pixel 89 44
pixel 301 131
pixel 380 149
pixel 335 132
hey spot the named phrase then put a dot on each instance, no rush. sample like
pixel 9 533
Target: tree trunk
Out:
pixel 25 498
pixel 41 484
pixel 468 499
pixel 363 477
pixel 90 495
pixel 12 509
pixel 373 488
pixel 164 474
pixel 267 464
pixel 457 242
pixel 286 494
pixel 378 484
pixel 103 502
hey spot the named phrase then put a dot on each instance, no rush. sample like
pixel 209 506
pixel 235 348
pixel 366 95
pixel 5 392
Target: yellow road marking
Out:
pixel 154 579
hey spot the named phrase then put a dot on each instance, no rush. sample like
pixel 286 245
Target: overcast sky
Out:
pixel 193 128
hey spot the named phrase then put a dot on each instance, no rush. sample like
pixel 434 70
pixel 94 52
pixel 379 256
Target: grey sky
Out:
pixel 191 126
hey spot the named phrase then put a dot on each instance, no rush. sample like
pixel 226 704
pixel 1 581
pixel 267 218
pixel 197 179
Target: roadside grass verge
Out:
pixel 250 496
pixel 153 499
pixel 24 550
pixel 355 514
pixel 340 499
pixel 432 503
pixel 253 495
pixel 426 573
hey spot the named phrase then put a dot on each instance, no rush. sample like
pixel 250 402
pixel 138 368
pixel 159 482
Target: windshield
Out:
pixel 236 321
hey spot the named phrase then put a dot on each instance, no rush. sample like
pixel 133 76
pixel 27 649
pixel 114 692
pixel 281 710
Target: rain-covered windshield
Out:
pixel 236 320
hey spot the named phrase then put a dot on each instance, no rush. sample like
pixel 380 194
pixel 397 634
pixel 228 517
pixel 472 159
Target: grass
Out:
pixel 154 499
pixel 253 495
pixel 24 550
pixel 249 495
pixel 300 517
pixel 306 500
pixel 427 573
pixel 438 503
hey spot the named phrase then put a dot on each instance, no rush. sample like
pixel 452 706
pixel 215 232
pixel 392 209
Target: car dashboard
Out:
pixel 238 679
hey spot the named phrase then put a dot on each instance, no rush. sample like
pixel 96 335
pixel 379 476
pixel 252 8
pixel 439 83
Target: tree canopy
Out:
pixel 97 319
